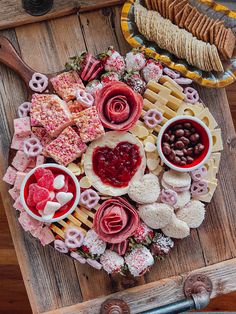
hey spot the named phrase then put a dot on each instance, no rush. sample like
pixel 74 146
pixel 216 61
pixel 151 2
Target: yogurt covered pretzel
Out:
pixel 60 246
pixel 152 118
pixel 171 73
pixel 24 109
pixel 199 188
pixel 38 82
pixel 199 174
pixel 89 198
pixel 192 95
pixel 32 147
pixel 84 98
pixel 73 238
pixel 169 197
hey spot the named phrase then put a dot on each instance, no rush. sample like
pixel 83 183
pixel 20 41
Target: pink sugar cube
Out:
pixel 40 160
pixel 89 125
pixel 46 236
pixel 20 161
pixel 19 179
pixel 14 193
pixel 10 175
pixel 18 205
pixel 22 126
pixel 66 147
pixel 32 163
pixel 66 84
pixel 17 141
pixel 52 112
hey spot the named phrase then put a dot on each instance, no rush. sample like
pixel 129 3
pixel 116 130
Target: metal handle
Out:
pixel 37 7
pixel 197 289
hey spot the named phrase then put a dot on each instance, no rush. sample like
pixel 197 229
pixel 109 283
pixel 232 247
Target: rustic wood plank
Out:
pixel 155 294
pixel 12 13
pixel 218 230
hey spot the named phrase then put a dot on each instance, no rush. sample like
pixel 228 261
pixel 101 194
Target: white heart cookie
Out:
pixel 63 197
pixel 51 208
pixel 192 213
pixel 59 182
pixel 146 190
pixel 176 228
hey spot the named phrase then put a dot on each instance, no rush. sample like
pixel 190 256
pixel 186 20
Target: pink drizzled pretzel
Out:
pixel 24 109
pixel 169 197
pixel 60 246
pixel 38 82
pixel 32 147
pixel 84 98
pixel 78 257
pixel 199 188
pixel 192 95
pixel 73 238
pixel 89 198
pixel 199 174
pixel 94 263
pixel 171 73
pixel 152 118
pixel 183 81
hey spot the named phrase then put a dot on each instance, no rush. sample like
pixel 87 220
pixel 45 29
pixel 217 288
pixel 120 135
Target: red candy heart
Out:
pixel 46 181
pixel 30 201
pixel 41 205
pixel 39 172
pixel 40 194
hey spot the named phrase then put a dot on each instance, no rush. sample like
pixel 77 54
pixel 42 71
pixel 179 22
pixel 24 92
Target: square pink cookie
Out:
pixel 10 175
pixel 14 193
pixel 52 112
pixel 89 125
pixel 18 141
pixel 19 179
pixel 66 84
pixel 22 126
pixel 21 161
pixel 66 147
pixel 18 205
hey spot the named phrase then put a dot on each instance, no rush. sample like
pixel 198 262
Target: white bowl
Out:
pixel 175 121
pixel 64 169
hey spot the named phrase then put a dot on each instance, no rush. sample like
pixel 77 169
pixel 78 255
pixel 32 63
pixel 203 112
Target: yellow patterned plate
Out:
pixel 209 79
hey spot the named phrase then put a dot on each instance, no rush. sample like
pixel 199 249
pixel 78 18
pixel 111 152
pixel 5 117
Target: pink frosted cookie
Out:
pixel 19 179
pixel 111 262
pixel 21 161
pixel 10 175
pixel 66 84
pixel 139 261
pixel 18 141
pixel 89 125
pixel 22 126
pixel 52 112
pixel 66 147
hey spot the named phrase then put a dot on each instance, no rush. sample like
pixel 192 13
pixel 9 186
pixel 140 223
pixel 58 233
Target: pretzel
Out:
pixel 32 147
pixel 198 174
pixel 60 246
pixel 199 188
pixel 84 98
pixel 38 82
pixel 192 95
pixel 24 109
pixel 78 257
pixel 73 238
pixel 171 73
pixel 152 118
pixel 183 81
pixel 89 198
pixel 94 263
pixel 169 197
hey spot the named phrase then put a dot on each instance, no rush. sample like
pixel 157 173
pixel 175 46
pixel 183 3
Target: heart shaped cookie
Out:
pixel 139 190
pixel 63 198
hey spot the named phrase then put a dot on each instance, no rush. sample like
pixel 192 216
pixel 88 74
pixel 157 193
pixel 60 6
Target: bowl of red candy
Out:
pixel 50 192
pixel 184 143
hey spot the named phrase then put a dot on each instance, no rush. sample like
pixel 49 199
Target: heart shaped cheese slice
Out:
pixel 63 197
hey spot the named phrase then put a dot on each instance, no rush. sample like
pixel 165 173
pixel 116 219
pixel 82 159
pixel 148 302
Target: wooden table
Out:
pixel 54 282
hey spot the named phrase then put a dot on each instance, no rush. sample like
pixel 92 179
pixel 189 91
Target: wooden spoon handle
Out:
pixel 10 57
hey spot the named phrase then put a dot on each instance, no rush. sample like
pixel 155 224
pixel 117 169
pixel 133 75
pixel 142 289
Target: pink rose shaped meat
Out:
pixel 115 220
pixel 119 107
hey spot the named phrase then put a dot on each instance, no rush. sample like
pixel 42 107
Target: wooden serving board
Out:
pixel 56 283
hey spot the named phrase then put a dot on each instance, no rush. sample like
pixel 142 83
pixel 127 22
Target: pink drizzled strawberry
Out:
pixel 143 234
pixel 109 77
pixel 113 61
pixel 135 60
pixel 152 71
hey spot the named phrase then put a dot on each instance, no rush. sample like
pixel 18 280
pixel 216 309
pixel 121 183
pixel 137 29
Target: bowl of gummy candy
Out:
pixel 50 192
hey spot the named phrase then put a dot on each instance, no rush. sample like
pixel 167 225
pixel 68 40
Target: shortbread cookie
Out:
pixel 182 199
pixel 156 215
pixel 176 228
pixel 146 190
pixel 176 181
pixel 193 214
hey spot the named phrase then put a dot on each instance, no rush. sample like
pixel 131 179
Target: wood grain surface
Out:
pixel 53 280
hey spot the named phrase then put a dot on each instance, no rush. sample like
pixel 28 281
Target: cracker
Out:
pixel 154 5
pixel 178 10
pixel 172 10
pixel 206 35
pixel 190 19
pixel 212 31
pixel 159 6
pixel 222 42
pixel 204 27
pixel 193 21
pixel 168 2
pixel 215 59
pixel 229 44
pixel 217 35
pixel 163 8
pixel 187 10
pixel 148 4
pixel 200 25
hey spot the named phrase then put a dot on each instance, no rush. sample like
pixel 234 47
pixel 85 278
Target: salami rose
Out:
pixel 119 107
pixel 115 220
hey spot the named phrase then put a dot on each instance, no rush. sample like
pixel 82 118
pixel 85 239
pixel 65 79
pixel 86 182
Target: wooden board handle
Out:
pixel 10 57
